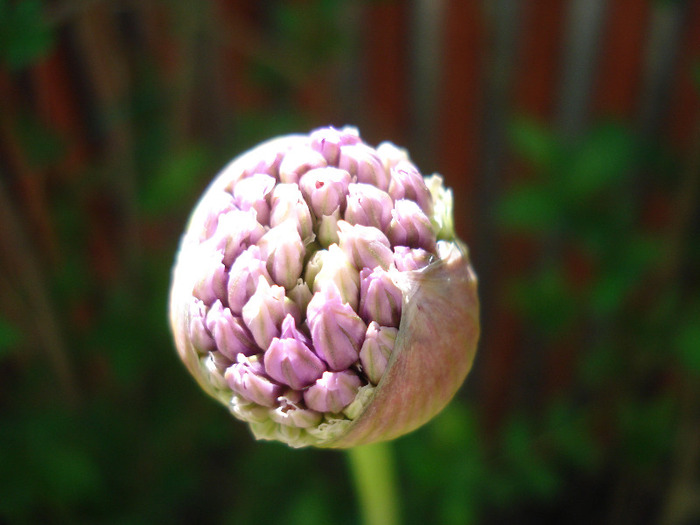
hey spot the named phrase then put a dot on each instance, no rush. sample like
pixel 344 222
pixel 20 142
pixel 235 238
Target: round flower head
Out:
pixel 320 292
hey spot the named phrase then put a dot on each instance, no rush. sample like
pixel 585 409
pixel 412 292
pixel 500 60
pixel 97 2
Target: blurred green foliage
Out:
pixel 141 444
pixel 24 34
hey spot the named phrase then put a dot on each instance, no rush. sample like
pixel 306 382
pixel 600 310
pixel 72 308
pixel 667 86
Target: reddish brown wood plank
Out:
pixel 57 107
pixel 684 111
pixel 385 49
pixel 534 88
pixel 460 102
pixel 622 56
pixel 240 38
pixel 536 81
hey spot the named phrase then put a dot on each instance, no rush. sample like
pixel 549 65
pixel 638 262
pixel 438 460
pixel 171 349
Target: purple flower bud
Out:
pixel 268 163
pixel 201 338
pixel 407 183
pixel 363 162
pixel 337 269
pixel 328 141
pixel 409 259
pixel 264 312
pixel 229 332
pixel 369 206
pixel 336 330
pixel 283 250
pixel 247 378
pixel 288 204
pixel 299 161
pixel 380 298
pixel 211 284
pixel 221 362
pixel 289 360
pixel 253 192
pixel 333 391
pixel 328 229
pixel 325 189
pixel 212 374
pixel 391 155
pixel 243 278
pixel 365 246
pixel 221 203
pixel 410 226
pixel 235 231
pixel 376 350
pixel 291 414
pixel 300 294
pixel 313 267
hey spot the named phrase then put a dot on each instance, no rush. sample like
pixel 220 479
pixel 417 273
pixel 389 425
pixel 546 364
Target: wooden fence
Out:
pixel 446 78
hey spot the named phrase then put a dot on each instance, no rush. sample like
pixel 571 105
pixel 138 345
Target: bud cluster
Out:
pixel 296 265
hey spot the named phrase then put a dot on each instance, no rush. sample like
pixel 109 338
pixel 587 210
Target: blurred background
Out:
pixel 570 133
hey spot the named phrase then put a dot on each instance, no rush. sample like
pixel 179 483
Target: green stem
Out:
pixel 373 473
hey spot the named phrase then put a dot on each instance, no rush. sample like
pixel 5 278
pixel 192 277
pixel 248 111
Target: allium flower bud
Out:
pixel 247 378
pixel 283 250
pixel 333 391
pixel 289 359
pixel 364 164
pixel 265 310
pixel 369 206
pixel 291 412
pixel 321 294
pixel 328 141
pixel 407 259
pixel 365 246
pixel 380 298
pixel 211 279
pixel 336 330
pixel 337 269
pixel 410 226
pixel 201 338
pixel 243 278
pixel 376 350
pixel 235 231
pixel 299 161
pixel 288 204
pixel 252 193
pixel 407 183
pixel 325 189
pixel 229 333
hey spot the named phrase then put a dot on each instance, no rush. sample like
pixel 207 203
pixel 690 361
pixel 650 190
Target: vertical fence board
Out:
pixel 57 106
pixel 386 72
pixel 459 144
pixel 538 63
pixel 684 111
pixel 617 84
pixel 659 63
pixel 427 19
pixel 585 19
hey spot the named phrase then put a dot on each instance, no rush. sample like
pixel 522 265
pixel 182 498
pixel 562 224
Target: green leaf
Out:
pixel 530 209
pixel 546 299
pixel 177 180
pixel 534 142
pixel 42 146
pixel 599 162
pixel 688 342
pixel 533 472
pixel 25 37
pixel 695 73
pixel 10 336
